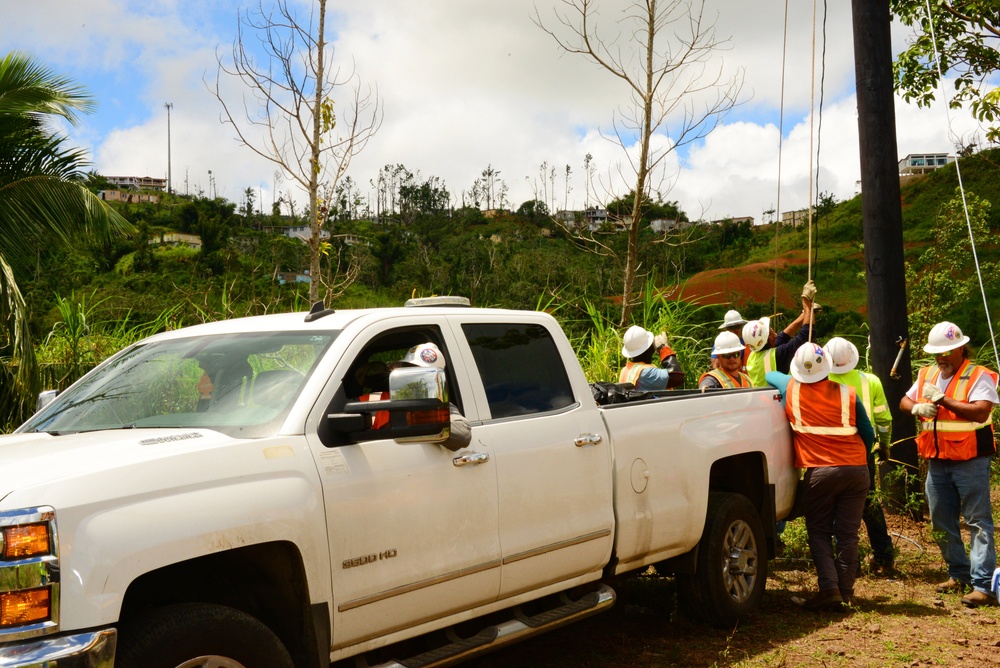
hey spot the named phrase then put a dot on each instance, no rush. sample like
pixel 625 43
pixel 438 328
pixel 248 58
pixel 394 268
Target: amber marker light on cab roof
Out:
pixel 26 540
pixel 25 607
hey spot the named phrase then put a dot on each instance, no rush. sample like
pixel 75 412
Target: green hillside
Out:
pixel 89 300
pixel 838 250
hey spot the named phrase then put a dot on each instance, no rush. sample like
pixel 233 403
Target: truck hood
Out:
pixel 40 459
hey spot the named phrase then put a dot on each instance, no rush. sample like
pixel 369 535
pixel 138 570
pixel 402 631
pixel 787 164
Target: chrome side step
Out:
pixel 520 627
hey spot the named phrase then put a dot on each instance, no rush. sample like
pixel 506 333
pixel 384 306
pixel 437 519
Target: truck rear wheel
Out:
pixel 199 636
pixel 731 568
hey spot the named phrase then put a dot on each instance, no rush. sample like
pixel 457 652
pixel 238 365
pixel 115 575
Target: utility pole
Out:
pixel 170 183
pixel 883 218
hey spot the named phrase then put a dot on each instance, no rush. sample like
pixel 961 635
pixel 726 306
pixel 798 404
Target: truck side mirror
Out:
pixel 45 398
pixel 418 410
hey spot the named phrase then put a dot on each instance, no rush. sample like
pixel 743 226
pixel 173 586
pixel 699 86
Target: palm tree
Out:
pixel 42 194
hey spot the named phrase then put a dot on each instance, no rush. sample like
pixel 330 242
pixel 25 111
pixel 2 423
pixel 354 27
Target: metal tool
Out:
pixel 901 342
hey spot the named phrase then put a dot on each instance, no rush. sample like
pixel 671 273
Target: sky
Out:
pixel 464 85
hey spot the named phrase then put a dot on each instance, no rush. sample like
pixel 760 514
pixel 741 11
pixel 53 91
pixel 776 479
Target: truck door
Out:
pixel 552 456
pixel 412 527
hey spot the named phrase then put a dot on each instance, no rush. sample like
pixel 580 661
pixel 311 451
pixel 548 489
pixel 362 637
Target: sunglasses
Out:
pixel 729 356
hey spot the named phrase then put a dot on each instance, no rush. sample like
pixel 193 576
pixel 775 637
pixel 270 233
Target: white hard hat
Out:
pixel 425 354
pixel 727 342
pixel 732 319
pixel 810 363
pixel 944 337
pixel 842 353
pixel 637 339
pixel 755 333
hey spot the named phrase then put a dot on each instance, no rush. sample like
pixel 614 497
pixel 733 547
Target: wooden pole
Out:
pixel 883 218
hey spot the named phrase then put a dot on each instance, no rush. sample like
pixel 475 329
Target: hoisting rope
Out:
pixel 961 187
pixel 809 210
pixel 781 137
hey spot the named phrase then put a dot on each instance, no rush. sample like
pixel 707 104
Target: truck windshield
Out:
pixel 240 384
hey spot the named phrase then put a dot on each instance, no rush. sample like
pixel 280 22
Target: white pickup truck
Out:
pixel 217 496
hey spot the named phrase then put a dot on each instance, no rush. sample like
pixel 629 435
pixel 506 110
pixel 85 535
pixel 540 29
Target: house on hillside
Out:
pixel 796 218
pixel 177 239
pixel 129 197
pixel 138 182
pixel 292 277
pixel 669 225
pixel 302 233
pixel 923 163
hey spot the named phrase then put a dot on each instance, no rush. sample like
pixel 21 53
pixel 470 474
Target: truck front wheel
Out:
pixel 199 636
pixel 731 566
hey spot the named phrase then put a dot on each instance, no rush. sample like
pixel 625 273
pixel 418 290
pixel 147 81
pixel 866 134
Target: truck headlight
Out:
pixel 25 607
pixel 29 573
pixel 25 540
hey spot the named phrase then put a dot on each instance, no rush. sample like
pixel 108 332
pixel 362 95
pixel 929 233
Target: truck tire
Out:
pixel 199 636
pixel 731 567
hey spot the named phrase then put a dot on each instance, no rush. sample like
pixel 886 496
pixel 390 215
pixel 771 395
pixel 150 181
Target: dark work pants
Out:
pixel 834 500
pixel 874 518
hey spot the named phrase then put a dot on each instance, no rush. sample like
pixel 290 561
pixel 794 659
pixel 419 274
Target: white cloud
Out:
pixel 463 85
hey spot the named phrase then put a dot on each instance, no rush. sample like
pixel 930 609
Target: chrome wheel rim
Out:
pixel 739 562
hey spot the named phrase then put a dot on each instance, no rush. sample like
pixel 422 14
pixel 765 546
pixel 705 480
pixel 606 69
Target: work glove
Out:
pixel 928 411
pixel 932 393
pixel 809 290
pixel 660 340
pixel 882 443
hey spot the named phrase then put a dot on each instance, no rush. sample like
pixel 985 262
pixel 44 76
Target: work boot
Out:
pixel 977 599
pixel 951 586
pixel 885 569
pixel 826 599
pixel 847 596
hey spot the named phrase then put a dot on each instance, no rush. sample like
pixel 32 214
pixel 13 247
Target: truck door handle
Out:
pixel 474 458
pixel 587 439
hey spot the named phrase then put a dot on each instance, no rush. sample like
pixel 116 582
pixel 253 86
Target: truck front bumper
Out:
pixel 83 650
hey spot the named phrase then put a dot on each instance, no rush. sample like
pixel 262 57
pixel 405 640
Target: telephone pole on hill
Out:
pixel 883 216
pixel 170 183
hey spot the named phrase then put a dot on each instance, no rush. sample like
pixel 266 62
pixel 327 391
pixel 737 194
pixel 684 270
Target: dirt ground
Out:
pixel 751 282
pixel 900 621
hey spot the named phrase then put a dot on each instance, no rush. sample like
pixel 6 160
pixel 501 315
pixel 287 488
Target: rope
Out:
pixel 961 187
pixel 812 107
pixel 822 89
pixel 781 137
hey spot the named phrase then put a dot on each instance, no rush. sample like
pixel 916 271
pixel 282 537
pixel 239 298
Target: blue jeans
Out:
pixel 956 489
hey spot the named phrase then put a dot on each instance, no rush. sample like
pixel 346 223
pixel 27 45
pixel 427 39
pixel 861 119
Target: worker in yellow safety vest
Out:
pixel 843 362
pixel 728 351
pixel 770 351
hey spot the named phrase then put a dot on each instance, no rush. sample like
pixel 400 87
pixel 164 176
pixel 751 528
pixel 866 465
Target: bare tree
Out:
pixel 665 52
pixel 569 171
pixel 287 113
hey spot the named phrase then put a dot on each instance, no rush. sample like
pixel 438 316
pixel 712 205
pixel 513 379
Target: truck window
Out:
pixel 520 367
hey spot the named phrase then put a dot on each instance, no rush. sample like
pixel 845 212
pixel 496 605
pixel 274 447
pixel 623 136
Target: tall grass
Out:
pixel 599 346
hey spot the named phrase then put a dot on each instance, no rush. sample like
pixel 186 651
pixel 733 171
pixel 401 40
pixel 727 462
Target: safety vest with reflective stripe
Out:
pixel 727 381
pixel 948 436
pixel 759 364
pixel 824 424
pixel 630 372
pixel 872 395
